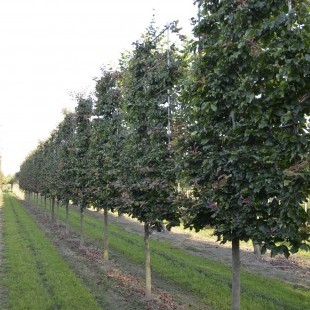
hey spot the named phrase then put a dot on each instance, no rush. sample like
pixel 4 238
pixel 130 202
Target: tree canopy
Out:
pixel 247 106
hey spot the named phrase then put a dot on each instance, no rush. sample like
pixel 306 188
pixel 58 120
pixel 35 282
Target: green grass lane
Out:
pixel 35 274
pixel 208 278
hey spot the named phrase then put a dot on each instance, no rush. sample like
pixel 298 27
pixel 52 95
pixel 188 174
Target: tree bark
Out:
pixel 45 212
pixel 57 212
pixel 106 235
pixel 235 274
pixel 257 249
pixel 67 217
pixel 82 226
pixel 148 280
pixel 50 204
pixel 53 208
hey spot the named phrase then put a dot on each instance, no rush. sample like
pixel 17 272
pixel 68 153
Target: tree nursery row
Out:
pixel 212 131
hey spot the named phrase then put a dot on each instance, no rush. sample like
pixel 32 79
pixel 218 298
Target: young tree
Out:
pixel 248 144
pixel 51 171
pixel 81 160
pixel 66 132
pixel 1 175
pixel 9 180
pixel 105 148
pixel 43 171
pixel 29 180
pixel 147 159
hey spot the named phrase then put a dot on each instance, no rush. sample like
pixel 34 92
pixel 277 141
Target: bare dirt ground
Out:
pixel 121 284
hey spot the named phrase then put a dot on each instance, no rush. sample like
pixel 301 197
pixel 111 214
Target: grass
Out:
pixel 36 276
pixel 210 280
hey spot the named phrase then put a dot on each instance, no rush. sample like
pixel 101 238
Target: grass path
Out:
pixel 36 276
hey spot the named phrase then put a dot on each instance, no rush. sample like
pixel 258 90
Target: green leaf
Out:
pixel 213 107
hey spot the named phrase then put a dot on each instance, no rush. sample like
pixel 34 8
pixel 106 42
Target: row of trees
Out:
pixel 215 134
pixel 113 152
pixel 6 179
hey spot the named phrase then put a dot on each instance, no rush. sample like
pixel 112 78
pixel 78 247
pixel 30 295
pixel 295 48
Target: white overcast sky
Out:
pixel 52 48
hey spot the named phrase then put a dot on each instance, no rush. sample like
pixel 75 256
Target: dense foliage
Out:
pixel 247 106
pixel 248 147
pixel 232 151
pixel 147 78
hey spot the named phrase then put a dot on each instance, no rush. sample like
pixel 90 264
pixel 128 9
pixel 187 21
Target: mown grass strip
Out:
pixel 36 275
pixel 208 278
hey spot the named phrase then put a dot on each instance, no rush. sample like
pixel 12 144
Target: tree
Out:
pixel 66 132
pixel 9 179
pixel 81 164
pixel 1 175
pixel 51 168
pixel 148 165
pixel 248 145
pixel 28 180
pixel 105 148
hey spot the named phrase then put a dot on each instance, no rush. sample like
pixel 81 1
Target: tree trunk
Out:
pixel 235 274
pixel 45 205
pixel 82 226
pixel 53 208
pixel 257 249
pixel 148 280
pixel 67 217
pixel 57 212
pixel 50 203
pixel 106 236
pixel 119 213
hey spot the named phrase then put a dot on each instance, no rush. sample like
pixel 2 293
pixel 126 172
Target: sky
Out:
pixel 52 49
